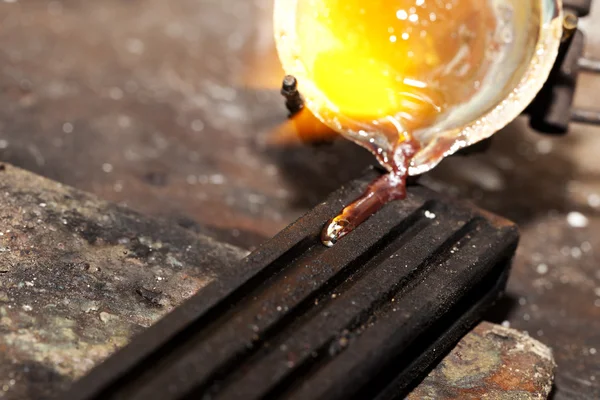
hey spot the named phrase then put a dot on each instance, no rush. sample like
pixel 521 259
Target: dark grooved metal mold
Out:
pixel 364 319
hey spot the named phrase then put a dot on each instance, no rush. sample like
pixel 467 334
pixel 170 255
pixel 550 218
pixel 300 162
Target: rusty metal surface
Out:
pixel 79 277
pixel 492 362
pixel 170 107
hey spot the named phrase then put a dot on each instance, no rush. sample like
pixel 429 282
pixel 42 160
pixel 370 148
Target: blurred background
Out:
pixel 173 109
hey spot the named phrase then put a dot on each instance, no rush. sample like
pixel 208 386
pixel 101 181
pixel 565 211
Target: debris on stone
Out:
pixel 107 317
pixel 153 297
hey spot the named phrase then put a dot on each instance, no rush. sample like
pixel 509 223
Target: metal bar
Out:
pixel 550 112
pixel 589 65
pixel 581 7
pixel 365 318
pixel 293 99
pixel 583 116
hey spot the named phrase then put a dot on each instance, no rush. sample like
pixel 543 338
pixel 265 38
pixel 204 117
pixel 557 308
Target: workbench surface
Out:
pixel 173 109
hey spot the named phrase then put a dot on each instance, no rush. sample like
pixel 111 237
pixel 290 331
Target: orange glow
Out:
pixel 302 128
pixel 378 58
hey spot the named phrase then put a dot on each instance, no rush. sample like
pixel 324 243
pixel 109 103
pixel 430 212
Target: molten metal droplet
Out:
pixel 389 187
pixel 335 230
